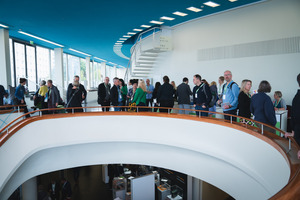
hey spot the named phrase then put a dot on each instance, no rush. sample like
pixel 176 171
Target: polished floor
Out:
pixel 90 185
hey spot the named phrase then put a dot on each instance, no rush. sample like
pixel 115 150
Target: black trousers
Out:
pixel 166 104
pixel 231 112
pixel 18 102
pixel 105 104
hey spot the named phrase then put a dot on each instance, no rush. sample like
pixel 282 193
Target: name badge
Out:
pixel 196 95
pixel 224 96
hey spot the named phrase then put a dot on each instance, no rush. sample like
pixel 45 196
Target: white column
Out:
pixel 197 189
pixel 116 74
pixel 88 75
pixel 5 72
pixel 59 69
pixel 29 189
pixel 103 70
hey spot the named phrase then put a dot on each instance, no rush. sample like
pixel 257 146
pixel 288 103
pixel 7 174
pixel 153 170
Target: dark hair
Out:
pixel 185 79
pixel 166 79
pixel 22 80
pixel 76 76
pixel 204 81
pixel 131 81
pixel 197 76
pixel 221 78
pixel 264 86
pixel 116 78
pixel 122 81
pixel 157 85
pixel 298 79
pixel 43 82
pixel 49 81
pixel 135 81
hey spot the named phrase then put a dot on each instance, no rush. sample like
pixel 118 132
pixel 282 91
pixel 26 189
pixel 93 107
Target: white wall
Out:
pixel 230 159
pixel 270 20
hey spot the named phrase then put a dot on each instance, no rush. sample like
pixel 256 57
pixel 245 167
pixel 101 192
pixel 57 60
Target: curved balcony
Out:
pixel 244 161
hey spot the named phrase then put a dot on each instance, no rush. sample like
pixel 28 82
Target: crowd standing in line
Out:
pixel 234 100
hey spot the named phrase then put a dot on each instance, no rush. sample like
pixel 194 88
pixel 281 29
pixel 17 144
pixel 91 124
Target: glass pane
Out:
pixel 20 61
pixel 43 63
pixel 53 77
pixel 83 71
pixel 73 67
pixel 65 63
pixel 12 62
pixel 30 53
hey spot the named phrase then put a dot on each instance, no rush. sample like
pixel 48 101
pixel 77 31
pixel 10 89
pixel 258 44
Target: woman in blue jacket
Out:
pixel 262 106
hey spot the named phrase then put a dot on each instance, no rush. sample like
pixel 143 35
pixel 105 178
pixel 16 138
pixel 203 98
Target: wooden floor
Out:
pixel 90 185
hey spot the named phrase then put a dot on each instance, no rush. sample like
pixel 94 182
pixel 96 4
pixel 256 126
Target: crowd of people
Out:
pixel 204 97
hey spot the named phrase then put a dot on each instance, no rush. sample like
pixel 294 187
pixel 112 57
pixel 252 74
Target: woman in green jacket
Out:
pixel 140 95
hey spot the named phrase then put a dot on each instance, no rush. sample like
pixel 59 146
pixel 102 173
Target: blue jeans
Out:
pixel 204 114
pixel 120 104
pixel 184 106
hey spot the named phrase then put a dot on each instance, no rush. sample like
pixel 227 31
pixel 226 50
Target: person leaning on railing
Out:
pixel 262 107
pixel 244 99
pixel 295 117
pixel 19 94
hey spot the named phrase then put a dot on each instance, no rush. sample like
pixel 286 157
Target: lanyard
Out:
pixel 199 88
pixel 276 103
pixel 225 89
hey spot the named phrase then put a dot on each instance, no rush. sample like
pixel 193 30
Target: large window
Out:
pixel 20 61
pixel 73 67
pixel 43 63
pixel 12 65
pixel 31 72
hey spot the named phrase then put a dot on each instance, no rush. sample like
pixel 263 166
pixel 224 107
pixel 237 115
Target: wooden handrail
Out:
pixel 290 191
pixel 12 106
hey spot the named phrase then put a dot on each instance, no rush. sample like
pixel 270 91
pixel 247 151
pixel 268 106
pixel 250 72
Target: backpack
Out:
pixel 213 99
pixel 230 86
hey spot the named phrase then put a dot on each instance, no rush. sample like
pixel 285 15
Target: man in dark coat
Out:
pixel 115 95
pixel 2 92
pixel 66 191
pixel 54 190
pixel 76 93
pixel 104 94
pixel 53 95
pixel 165 95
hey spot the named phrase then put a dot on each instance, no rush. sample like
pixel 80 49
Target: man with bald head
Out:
pixel 104 94
pixel 230 96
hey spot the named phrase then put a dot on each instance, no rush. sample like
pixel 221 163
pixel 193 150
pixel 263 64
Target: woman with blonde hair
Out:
pixel 140 95
pixel 244 99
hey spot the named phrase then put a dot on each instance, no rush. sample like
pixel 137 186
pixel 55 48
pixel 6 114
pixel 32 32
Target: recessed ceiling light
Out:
pixel 123 39
pixel 167 18
pixel 232 0
pixel 131 33
pixel 145 26
pixel 211 4
pixel 137 29
pixel 2 25
pixel 156 22
pixel 194 9
pixel 79 52
pixel 120 41
pixel 42 39
pixel 126 36
pixel 180 13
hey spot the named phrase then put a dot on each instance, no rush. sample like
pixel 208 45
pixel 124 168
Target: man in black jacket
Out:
pixel 183 93
pixel 201 95
pixel 76 93
pixel 104 94
pixel 115 95
pixel 165 95
pixel 295 117
pixel 66 191
pixel 2 92
pixel 53 96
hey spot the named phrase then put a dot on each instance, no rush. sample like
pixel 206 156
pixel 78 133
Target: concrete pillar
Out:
pixel 5 75
pixel 88 74
pixel 197 189
pixel 59 69
pixel 29 189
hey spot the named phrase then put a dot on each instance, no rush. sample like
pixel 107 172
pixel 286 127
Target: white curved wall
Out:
pixel 234 161
pixel 270 20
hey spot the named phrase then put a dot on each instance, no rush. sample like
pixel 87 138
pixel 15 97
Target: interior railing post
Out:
pixel 18 109
pixel 290 144
pixel 262 129
pixel 230 119
pixel 72 110
pixel 199 114
pixel 168 111
pixel 137 109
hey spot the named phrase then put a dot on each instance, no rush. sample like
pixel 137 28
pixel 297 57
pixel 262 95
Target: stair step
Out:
pixel 153 55
pixel 147 58
pixel 143 70
pixel 143 66
pixel 146 63
pixel 154 51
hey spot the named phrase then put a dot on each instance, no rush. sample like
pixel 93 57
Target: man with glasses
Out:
pixel 230 96
pixel 104 94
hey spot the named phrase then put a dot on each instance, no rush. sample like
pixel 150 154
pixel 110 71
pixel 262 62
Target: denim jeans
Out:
pixel 184 106
pixel 120 104
pixel 204 114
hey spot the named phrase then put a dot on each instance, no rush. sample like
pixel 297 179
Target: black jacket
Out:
pixel 114 96
pixel 2 92
pixel 203 97
pixel 295 117
pixel 77 99
pixel 66 190
pixel 102 98
pixel 54 97
pixel 183 93
pixel 165 93
pixel 244 105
